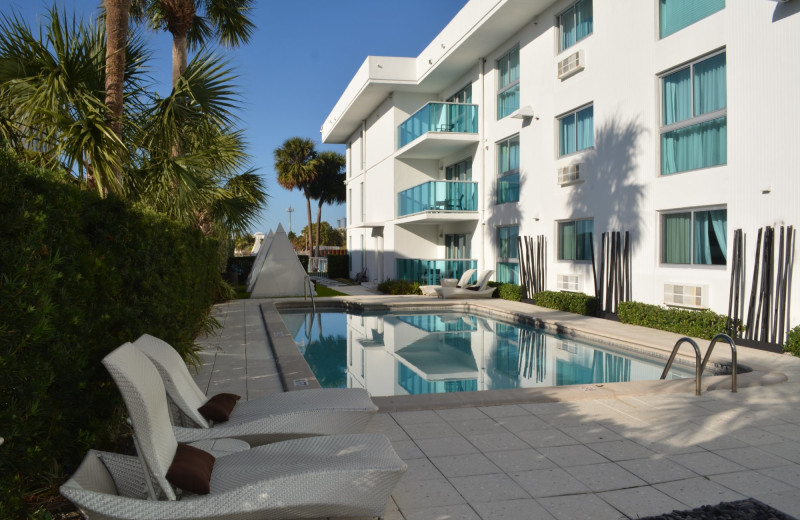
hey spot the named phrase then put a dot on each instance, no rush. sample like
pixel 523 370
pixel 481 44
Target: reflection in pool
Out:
pixel 401 354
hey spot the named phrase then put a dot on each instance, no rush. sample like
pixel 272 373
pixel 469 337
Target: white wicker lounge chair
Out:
pixel 479 290
pixel 277 417
pixel 430 290
pixel 336 476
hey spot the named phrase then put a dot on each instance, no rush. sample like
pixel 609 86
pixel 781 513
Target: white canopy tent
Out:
pixel 281 273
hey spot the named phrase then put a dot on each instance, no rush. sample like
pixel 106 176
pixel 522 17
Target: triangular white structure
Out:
pixel 259 237
pixel 281 274
pixel 259 261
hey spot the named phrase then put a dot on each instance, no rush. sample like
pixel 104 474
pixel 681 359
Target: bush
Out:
pixel 793 341
pixel 508 291
pixel 577 303
pixel 241 265
pixel 81 275
pixel 303 261
pixel 338 266
pixel 698 324
pixel 399 287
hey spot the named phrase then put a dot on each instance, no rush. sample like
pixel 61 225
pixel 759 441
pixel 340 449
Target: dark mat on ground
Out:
pixel 749 509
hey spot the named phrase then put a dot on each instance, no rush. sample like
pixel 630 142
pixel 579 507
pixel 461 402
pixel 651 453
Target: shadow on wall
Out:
pixel 611 193
pixel 785 9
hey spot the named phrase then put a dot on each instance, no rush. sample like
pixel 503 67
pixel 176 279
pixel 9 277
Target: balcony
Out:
pixel 437 130
pixel 431 271
pixel 440 196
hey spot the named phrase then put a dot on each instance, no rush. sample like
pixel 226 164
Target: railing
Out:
pixel 438 117
pixel 438 196
pixel 431 272
pixel 701 364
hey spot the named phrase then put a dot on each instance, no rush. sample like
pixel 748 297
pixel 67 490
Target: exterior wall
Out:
pixel 621 188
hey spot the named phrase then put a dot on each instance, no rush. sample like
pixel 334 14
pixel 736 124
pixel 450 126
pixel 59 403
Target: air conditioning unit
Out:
pixel 570 65
pixel 569 174
pixel 683 295
pixel 568 282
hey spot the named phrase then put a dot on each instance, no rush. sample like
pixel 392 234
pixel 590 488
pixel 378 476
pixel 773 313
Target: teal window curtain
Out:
pixel 507 102
pixel 710 237
pixel 507 272
pixel 710 86
pixel 575 240
pixel 508 83
pixel 507 242
pixel 566 135
pixel 693 147
pixel 674 15
pixel 676 93
pixel 676 238
pixel 508 156
pixel 576 23
pixel 508 188
pixel 585 128
pixel 566 241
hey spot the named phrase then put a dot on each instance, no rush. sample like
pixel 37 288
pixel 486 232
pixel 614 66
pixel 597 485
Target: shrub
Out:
pixel 577 303
pixel 338 266
pixel 241 265
pixel 399 287
pixel 508 291
pixel 793 341
pixel 81 275
pixel 303 261
pixel 699 324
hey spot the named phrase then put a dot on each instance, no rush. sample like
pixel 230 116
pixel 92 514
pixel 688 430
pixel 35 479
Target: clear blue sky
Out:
pixel 299 61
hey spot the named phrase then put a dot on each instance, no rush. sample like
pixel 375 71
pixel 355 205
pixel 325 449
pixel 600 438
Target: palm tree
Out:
pixel 117 12
pixel 296 164
pixel 194 22
pixel 328 186
pixel 52 85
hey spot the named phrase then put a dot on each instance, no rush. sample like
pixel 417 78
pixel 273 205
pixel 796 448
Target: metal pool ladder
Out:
pixel 700 366
pixel 310 288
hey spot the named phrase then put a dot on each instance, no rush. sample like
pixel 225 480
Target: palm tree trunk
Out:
pixel 179 56
pixel 319 224
pixel 117 12
pixel 310 224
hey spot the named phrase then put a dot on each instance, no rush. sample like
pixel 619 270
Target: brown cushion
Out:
pixel 191 469
pixel 219 407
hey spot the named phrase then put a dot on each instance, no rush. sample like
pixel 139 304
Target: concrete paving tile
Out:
pixel 444 446
pixel 421 469
pixel 723 442
pixel 789 450
pixel 787 431
pixel 578 455
pixel 465 465
pixel 621 450
pixel 751 483
pixel 459 512
pixel 407 450
pixel 421 416
pixel 565 420
pixel 461 414
pixel 752 457
pixel 488 488
pixel 706 463
pixel 542 409
pixel 521 423
pixel 546 437
pixel 514 461
pixel 422 494
pixel 429 430
pixel 591 433
pixel 756 436
pixel 579 507
pixel 477 426
pixel 496 441
pixel 549 482
pixel 784 501
pixel 657 469
pixel 504 410
pixel 641 501
pixel 605 477
pixel 787 474
pixel 696 492
pixel 522 509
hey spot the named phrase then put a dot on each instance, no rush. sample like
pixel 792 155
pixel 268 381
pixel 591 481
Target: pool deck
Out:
pixel 623 450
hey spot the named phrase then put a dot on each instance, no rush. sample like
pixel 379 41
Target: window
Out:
pixel 456 246
pixel 575 239
pixel 508 170
pixel 674 15
pixel 694 123
pixel 350 203
pixel 576 131
pixel 508 83
pixel 349 160
pixel 462 96
pixel 461 171
pixel 575 24
pixel 695 237
pixel 507 255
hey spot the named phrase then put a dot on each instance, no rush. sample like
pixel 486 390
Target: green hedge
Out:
pixel 399 287
pixel 80 275
pixel 793 341
pixel 507 291
pixel 577 303
pixel 698 324
pixel 338 266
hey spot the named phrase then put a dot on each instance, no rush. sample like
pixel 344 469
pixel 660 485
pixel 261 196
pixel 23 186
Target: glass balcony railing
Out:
pixel 438 117
pixel 431 272
pixel 438 196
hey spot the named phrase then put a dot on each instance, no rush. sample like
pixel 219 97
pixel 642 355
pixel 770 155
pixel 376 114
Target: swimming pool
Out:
pixel 408 354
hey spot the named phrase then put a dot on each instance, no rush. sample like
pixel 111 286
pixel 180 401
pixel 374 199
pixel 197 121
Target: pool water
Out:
pixel 406 354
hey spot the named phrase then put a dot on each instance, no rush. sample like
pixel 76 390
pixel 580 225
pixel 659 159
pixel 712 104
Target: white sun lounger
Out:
pixel 479 290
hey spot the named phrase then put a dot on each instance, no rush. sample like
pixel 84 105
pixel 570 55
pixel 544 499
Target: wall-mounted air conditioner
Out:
pixel 685 295
pixel 568 282
pixel 569 174
pixel 570 65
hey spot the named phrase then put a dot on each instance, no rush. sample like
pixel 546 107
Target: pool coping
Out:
pixel 295 373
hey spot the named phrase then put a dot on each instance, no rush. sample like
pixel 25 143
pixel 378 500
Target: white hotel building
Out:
pixel 677 121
